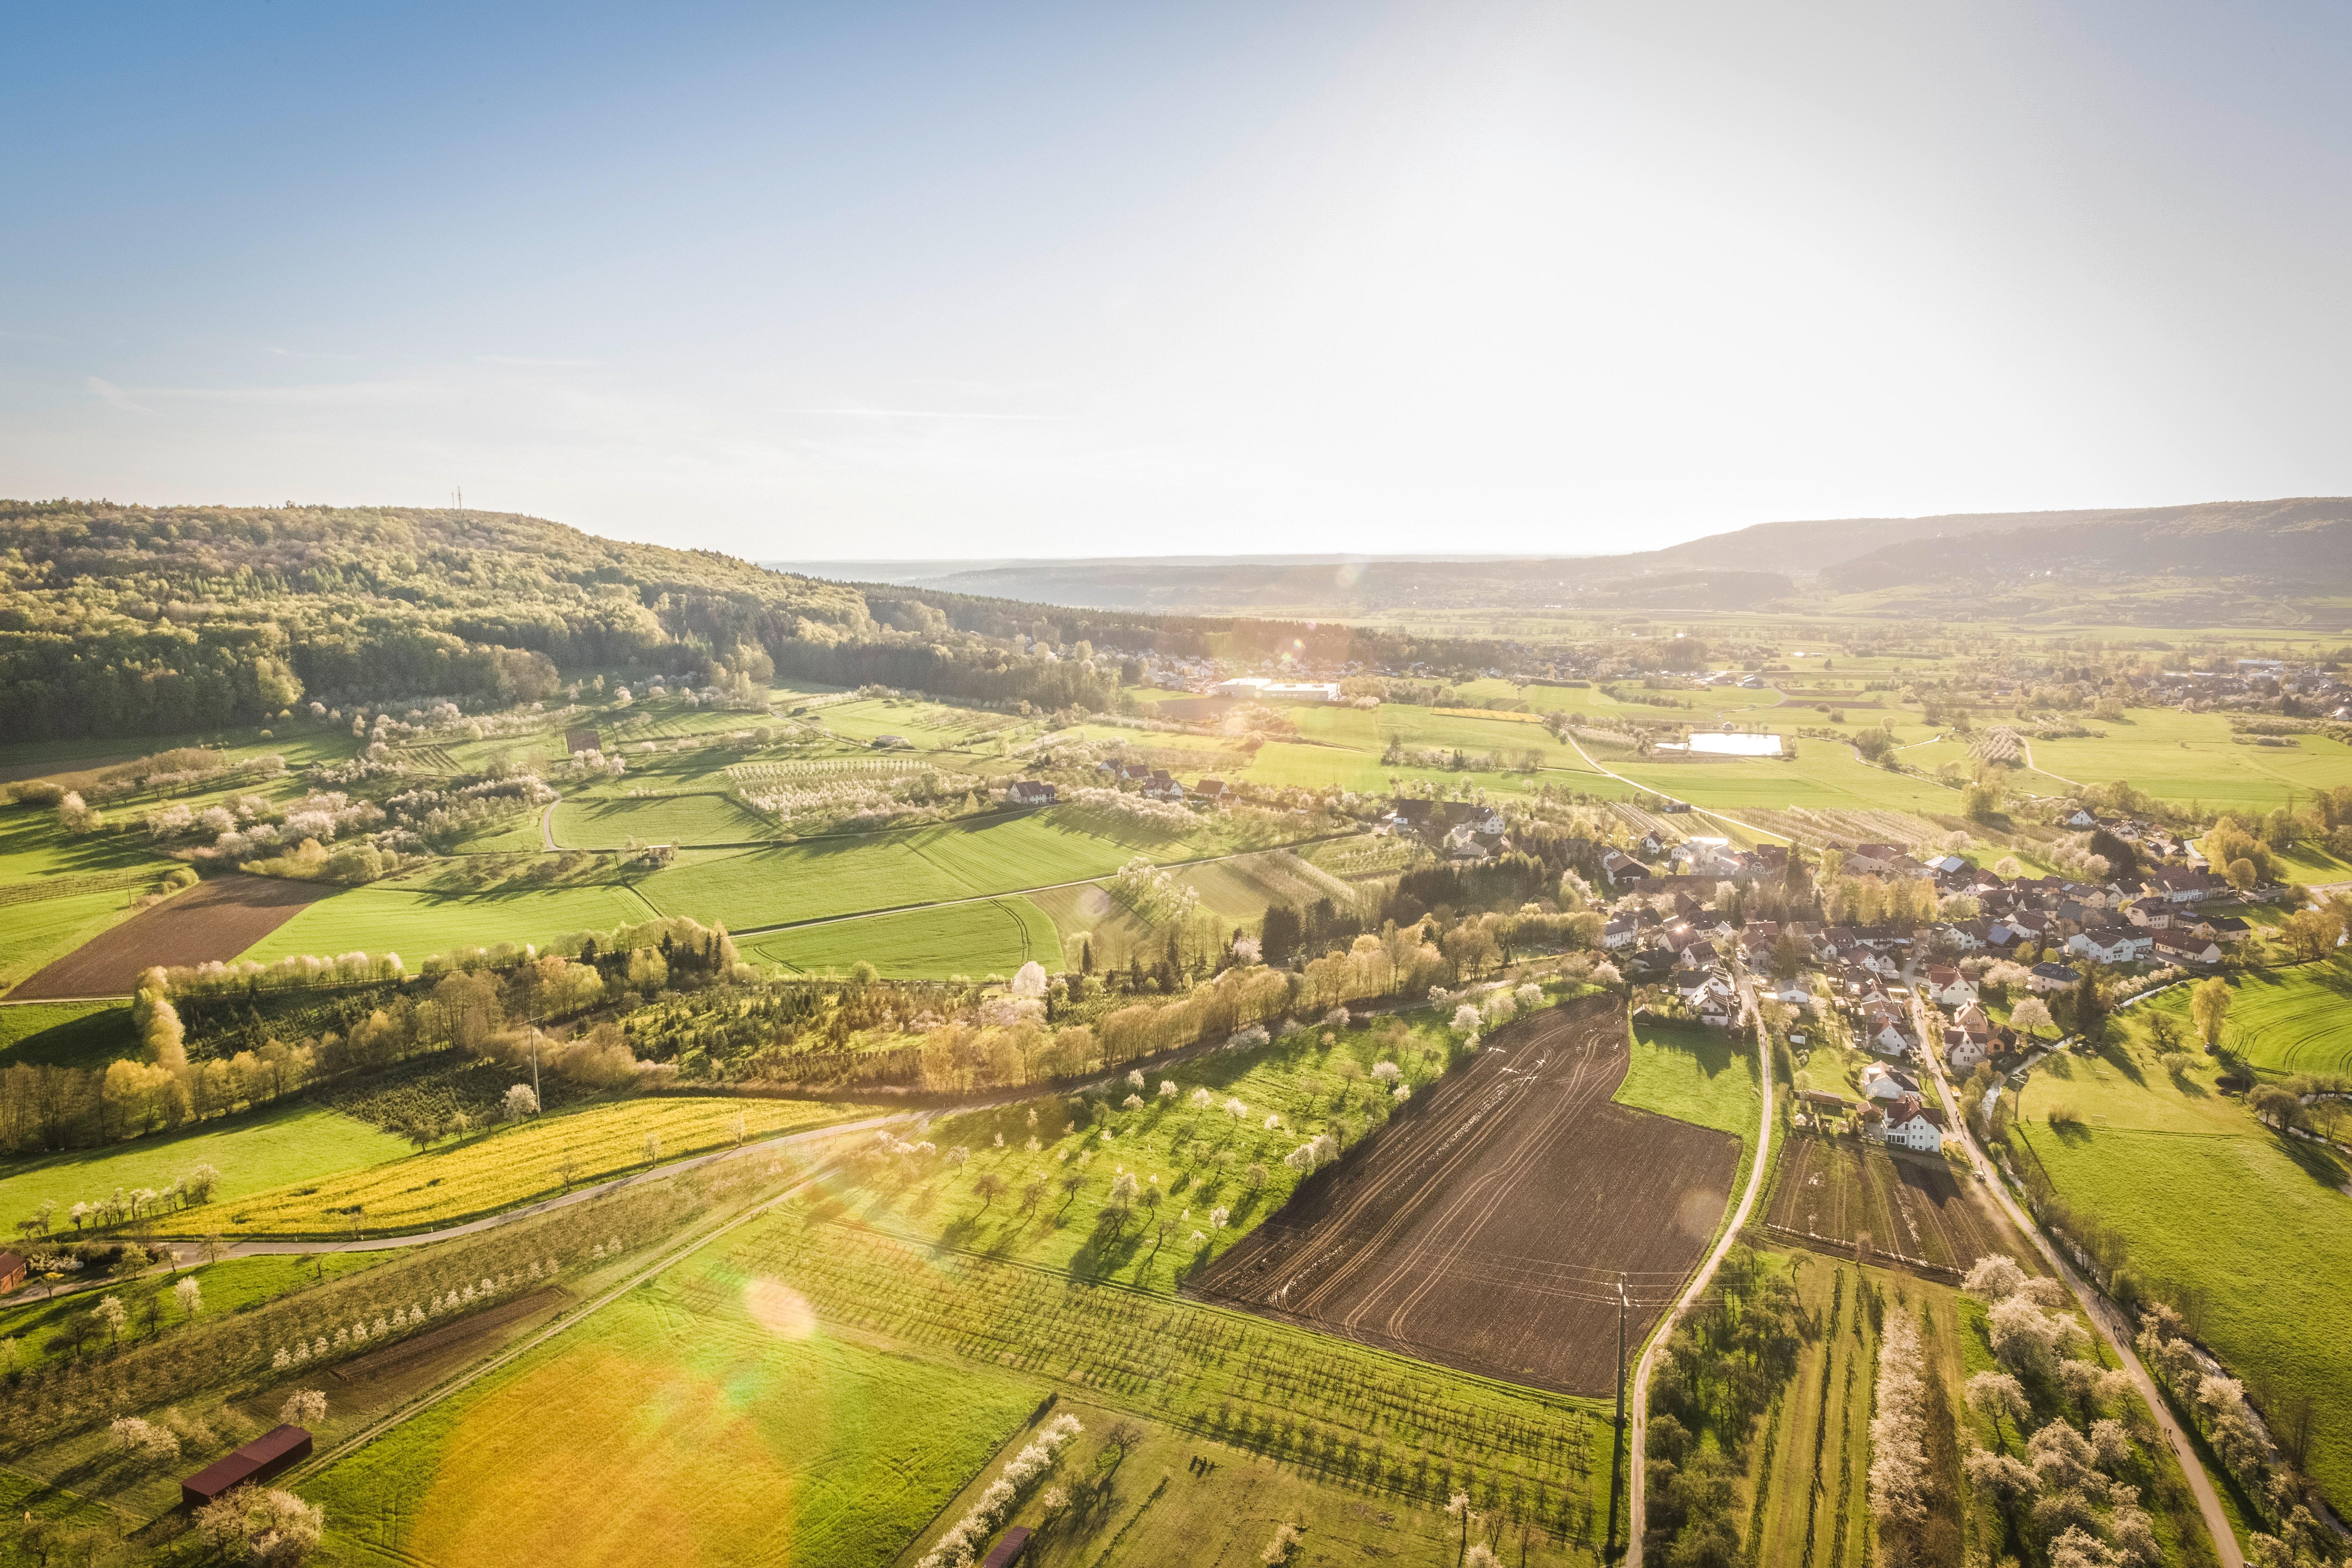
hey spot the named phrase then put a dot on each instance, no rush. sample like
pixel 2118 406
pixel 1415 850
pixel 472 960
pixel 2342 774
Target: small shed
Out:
pixel 1009 1548
pixel 12 1272
pixel 271 1454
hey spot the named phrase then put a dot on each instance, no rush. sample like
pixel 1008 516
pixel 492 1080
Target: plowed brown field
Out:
pixel 216 920
pixel 1833 1194
pixel 1488 1226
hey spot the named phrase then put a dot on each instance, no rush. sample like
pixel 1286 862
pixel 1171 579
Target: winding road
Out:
pixel 1638 1400
pixel 2102 1317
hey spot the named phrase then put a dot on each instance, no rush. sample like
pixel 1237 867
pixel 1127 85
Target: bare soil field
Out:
pixel 1488 1225
pixel 216 920
pixel 1833 1194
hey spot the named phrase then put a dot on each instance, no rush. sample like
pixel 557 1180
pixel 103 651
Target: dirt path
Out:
pixel 1646 789
pixel 547 826
pixel 2038 768
pixel 2109 1323
pixel 1638 1400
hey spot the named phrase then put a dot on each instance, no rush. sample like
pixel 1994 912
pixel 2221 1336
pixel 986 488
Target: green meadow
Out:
pixel 254 1153
pixel 388 917
pixel 2213 1204
pixel 991 936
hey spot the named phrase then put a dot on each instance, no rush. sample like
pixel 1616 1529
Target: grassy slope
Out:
pixel 2283 1020
pixel 995 937
pixel 607 823
pixel 253 1152
pixel 514 1165
pixel 2209 1200
pixel 415 922
pixel 66 1033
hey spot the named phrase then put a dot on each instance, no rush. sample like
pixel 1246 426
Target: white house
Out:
pixel 1911 1125
pixel 1621 932
pixel 2124 946
pixel 1891 1041
pixel 1961 1054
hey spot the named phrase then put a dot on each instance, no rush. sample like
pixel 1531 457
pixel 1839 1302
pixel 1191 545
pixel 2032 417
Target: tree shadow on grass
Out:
pixel 2321 1165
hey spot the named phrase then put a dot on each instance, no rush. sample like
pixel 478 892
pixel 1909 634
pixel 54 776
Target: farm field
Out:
pixel 1054 1210
pixel 994 936
pixel 2190 758
pixel 215 920
pixel 1821 774
pixel 253 1151
pixel 676 1429
pixel 609 822
pixel 514 1165
pixel 386 916
pixel 819 877
pixel 1487 1229
pixel 1393 1430
pixel 1133 1482
pixel 2252 1229
pixel 1810 1461
pixel 1835 1194
pixel 803 1391
pixel 932 726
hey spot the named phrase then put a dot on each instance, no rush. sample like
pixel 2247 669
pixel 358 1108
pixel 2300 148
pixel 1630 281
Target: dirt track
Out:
pixel 217 920
pixel 1486 1229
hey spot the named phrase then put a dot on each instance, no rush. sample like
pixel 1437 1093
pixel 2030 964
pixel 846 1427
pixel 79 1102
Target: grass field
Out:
pixel 2282 1021
pixel 35 932
pixel 886 871
pixel 2190 758
pixel 253 1152
pixel 678 1427
pixel 2253 1228
pixel 513 1166
pixel 995 936
pixel 608 822
pixel 1695 1074
pixel 1821 776
pixel 1188 1159
pixel 66 1033
pixel 415 923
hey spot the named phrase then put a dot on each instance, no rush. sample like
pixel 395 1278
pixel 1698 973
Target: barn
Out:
pixel 271 1453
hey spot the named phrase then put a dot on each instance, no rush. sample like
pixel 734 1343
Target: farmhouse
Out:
pixel 1620 868
pixel 269 1454
pixel 1159 786
pixel 1907 1124
pixel 1622 930
pixel 1029 792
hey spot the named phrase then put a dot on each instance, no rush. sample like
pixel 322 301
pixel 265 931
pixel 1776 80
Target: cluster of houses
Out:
pixel 2255 684
pixel 1158 783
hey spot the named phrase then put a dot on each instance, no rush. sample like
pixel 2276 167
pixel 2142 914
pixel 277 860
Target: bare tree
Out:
pixel 989 1185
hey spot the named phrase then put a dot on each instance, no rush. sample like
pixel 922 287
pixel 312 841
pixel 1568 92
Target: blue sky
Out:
pixel 956 280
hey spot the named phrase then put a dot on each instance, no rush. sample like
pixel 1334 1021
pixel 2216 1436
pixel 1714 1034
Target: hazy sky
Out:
pixel 988 279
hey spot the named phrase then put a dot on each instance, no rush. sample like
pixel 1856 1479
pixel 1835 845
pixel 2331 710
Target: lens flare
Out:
pixel 779 1309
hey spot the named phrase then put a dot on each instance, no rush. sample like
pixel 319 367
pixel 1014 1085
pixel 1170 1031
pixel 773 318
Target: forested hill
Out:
pixel 126 620
pixel 133 620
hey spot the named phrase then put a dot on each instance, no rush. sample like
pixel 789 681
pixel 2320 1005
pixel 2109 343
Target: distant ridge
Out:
pixel 2301 540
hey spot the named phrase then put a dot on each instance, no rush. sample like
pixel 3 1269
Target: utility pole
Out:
pixel 1621 1349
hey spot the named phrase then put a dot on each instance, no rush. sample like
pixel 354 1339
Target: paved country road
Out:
pixel 2102 1317
pixel 1638 1400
